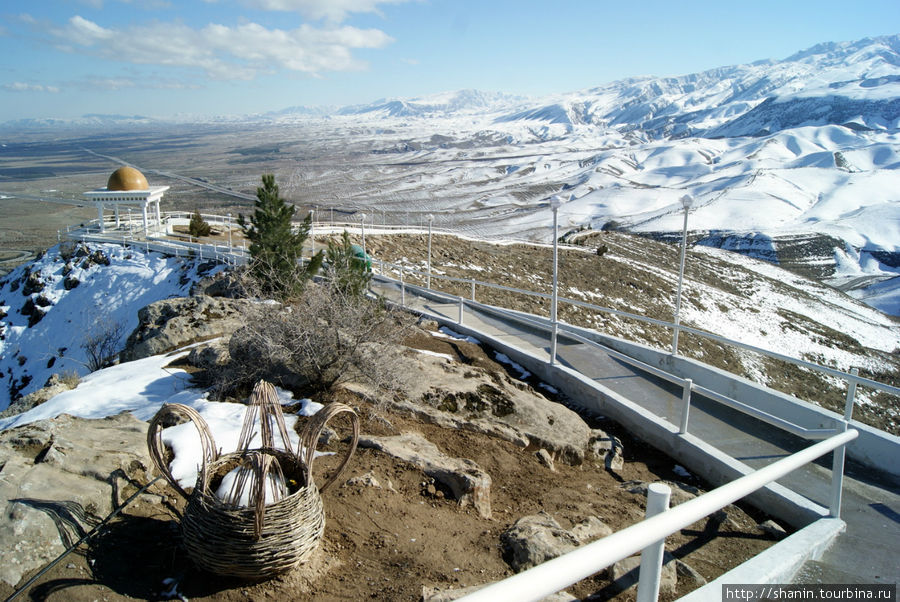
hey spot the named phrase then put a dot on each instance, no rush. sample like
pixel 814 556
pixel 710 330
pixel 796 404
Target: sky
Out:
pixel 165 58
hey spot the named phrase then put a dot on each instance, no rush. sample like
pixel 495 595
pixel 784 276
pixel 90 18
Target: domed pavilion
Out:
pixel 128 186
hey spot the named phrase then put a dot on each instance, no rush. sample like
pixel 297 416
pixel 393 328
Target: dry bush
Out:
pixel 325 338
pixel 102 344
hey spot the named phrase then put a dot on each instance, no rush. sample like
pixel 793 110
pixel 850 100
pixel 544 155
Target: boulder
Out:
pixel 537 538
pixel 460 396
pixel 468 483
pixel 170 324
pixel 624 574
pixel 59 478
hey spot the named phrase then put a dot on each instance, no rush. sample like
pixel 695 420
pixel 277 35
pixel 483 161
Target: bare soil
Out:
pixel 388 543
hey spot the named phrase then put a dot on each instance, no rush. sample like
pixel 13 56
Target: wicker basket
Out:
pixel 263 539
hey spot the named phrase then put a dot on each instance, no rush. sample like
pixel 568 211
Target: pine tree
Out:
pixel 198 226
pixel 275 247
pixel 348 268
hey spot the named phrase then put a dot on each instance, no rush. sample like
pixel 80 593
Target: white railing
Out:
pixel 852 378
pixel 238 256
pixel 557 574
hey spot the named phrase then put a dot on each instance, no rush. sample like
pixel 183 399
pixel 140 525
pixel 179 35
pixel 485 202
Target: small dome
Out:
pixel 127 178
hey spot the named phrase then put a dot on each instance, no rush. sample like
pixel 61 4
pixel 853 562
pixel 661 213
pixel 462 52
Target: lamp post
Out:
pixel 555 204
pixel 362 226
pixel 312 232
pixel 428 278
pixel 229 233
pixel 686 202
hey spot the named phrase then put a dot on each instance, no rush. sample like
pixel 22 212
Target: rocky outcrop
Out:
pixel 59 478
pixel 465 480
pixel 537 538
pixel 173 323
pixel 459 396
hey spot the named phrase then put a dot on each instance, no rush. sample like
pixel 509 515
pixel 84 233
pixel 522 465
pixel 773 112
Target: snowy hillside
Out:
pixel 49 307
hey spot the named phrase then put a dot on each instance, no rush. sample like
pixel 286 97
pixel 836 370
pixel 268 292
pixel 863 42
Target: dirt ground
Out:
pixel 388 543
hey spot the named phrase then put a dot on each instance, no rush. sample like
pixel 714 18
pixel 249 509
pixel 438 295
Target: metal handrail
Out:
pixel 686 383
pixel 561 572
pixel 846 376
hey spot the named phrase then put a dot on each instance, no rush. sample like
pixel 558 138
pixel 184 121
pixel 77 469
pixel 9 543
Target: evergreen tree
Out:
pixel 348 268
pixel 275 248
pixel 198 226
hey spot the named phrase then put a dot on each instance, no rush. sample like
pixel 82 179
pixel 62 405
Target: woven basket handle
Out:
pixel 155 444
pixel 309 438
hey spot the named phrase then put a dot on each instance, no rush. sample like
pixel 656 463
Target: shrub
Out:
pixel 345 269
pixel 198 226
pixel 328 337
pixel 101 344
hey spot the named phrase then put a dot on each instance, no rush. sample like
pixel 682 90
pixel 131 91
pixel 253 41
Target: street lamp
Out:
pixel 686 202
pixel 428 279
pixel 555 204
pixel 312 231
pixel 362 226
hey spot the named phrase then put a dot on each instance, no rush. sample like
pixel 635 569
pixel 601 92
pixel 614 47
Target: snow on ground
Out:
pixel 104 297
pixel 142 387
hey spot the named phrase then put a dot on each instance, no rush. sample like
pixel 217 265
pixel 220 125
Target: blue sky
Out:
pixel 67 58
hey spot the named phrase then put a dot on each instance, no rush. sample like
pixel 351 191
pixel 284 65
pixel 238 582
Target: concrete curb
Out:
pixel 778 564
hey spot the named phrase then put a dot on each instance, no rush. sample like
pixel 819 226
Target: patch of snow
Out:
pixel 505 359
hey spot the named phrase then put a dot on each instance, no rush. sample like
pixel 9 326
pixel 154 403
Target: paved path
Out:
pixel 867 552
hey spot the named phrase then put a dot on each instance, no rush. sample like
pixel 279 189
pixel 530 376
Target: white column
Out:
pixel 144 216
pixel 100 216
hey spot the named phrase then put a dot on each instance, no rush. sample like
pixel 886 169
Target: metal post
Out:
pixel 851 395
pixel 472 282
pixel 229 233
pixel 686 202
pixel 462 303
pixel 652 556
pixel 555 204
pixel 362 225
pixel 837 474
pixel 312 232
pixel 686 405
pixel 402 288
pixel 428 278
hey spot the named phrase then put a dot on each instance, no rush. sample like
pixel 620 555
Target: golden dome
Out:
pixel 127 178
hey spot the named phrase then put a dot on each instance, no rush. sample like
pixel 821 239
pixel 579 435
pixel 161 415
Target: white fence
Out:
pixel 557 574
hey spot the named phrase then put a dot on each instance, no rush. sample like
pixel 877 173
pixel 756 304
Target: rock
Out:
pixel 535 539
pixel 366 480
pixel 173 323
pixel 590 529
pixel 54 386
pixel 468 483
pixel 545 458
pixel 772 528
pixel 224 284
pixel 56 483
pixel 71 282
pixel 624 574
pixel 459 396
pixel 607 448
pixel 685 570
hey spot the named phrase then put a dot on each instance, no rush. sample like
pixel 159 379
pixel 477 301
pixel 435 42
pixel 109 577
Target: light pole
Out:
pixel 686 202
pixel 555 204
pixel 428 279
pixel 362 226
pixel 312 231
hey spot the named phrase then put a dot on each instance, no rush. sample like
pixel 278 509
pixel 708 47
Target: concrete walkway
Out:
pixel 866 553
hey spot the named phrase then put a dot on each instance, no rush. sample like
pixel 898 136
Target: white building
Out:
pixel 128 186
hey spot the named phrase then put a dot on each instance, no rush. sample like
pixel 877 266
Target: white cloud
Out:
pixel 332 10
pixel 224 52
pixel 25 87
